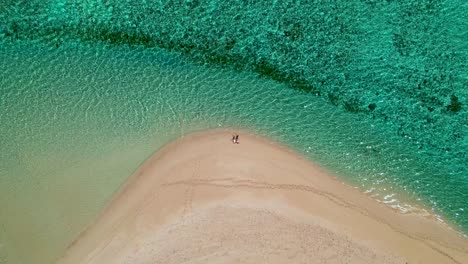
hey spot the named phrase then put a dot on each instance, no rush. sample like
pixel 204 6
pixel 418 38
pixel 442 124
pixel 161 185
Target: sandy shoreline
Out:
pixel 203 199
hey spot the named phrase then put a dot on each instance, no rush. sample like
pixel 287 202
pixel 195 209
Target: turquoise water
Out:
pixel 373 90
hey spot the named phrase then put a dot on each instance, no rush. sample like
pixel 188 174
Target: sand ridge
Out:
pixel 203 199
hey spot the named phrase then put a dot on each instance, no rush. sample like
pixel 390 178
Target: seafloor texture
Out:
pixel 380 97
pixel 403 62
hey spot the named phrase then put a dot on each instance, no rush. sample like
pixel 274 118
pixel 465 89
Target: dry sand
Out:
pixel 203 199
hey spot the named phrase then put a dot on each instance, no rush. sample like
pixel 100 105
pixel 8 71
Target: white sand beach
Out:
pixel 203 199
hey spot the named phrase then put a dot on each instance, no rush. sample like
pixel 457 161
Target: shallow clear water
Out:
pixel 380 97
pixel 77 120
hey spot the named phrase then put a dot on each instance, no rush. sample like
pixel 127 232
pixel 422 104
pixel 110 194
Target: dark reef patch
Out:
pixel 455 105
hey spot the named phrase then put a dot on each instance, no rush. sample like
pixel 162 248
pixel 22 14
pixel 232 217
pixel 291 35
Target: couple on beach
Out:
pixel 235 139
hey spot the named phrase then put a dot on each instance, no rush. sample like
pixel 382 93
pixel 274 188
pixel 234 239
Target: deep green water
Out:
pixel 373 90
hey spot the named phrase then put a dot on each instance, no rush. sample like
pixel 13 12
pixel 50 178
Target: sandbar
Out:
pixel 203 199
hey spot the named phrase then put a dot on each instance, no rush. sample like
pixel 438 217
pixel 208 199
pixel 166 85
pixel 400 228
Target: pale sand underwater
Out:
pixel 203 199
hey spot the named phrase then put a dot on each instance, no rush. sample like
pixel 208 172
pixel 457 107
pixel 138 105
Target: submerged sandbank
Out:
pixel 203 199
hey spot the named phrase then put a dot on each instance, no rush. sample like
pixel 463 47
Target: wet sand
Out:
pixel 203 199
